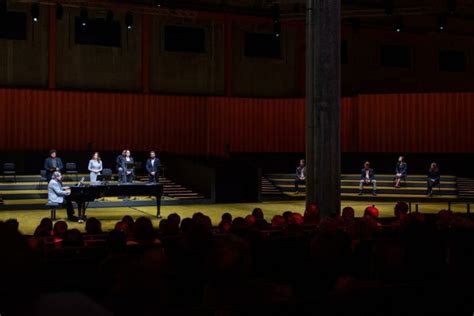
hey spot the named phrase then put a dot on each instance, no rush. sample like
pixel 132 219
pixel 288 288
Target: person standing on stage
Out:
pixel 153 166
pixel 400 171
pixel 126 173
pixel 433 177
pixel 52 164
pixel 59 194
pixel 367 176
pixel 95 167
pixel 300 175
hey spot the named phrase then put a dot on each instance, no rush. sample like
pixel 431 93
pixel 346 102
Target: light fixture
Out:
pixel 452 4
pixel 399 24
pixel 276 21
pixel 442 22
pixel 83 17
pixel 129 20
pixel 35 12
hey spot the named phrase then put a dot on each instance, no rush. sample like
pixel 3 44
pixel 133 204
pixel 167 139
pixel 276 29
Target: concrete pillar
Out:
pixel 323 93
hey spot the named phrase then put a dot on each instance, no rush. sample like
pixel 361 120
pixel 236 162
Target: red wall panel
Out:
pixel 42 119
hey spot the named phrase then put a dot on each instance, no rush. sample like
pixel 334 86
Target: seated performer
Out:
pixel 300 175
pixel 153 166
pixel 57 193
pixel 52 164
pixel 433 177
pixel 367 176
pixel 95 167
pixel 120 165
pixel 400 171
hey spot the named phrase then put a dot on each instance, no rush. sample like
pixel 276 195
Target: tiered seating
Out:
pixel 413 188
pixel 30 192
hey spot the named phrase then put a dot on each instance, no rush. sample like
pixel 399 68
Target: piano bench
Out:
pixel 53 207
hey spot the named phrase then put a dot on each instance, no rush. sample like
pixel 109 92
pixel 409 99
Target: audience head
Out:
pixel 73 238
pixel 348 213
pixel 297 219
pixel 311 214
pixel 143 231
pixel 226 217
pixel 224 227
pixel 60 229
pixel 258 213
pixel 371 212
pixel 47 222
pixel 401 208
pixel 278 221
pixel 251 220
pixel 174 218
pixel 128 220
pixel 12 224
pixel 186 225
pixel 93 226
pixel 53 153
pixel 287 216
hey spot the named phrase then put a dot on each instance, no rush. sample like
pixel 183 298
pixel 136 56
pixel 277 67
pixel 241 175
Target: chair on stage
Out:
pixel 9 170
pixel 71 168
pixel 42 178
pixel 106 175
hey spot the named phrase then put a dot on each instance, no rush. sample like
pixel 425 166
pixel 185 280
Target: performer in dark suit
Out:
pixel 120 165
pixel 153 166
pixel 400 171
pixel 433 177
pixel 52 164
pixel 126 173
pixel 367 176
pixel 300 175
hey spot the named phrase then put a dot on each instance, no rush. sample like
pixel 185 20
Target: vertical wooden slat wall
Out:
pixel 42 119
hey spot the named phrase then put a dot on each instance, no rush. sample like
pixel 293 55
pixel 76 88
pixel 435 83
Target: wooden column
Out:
pixel 323 80
pixel 52 44
pixel 228 57
pixel 145 54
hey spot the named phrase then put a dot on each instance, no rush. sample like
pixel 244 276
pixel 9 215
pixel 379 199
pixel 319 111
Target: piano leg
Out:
pixel 158 206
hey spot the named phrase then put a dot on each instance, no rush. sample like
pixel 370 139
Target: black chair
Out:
pixel 42 178
pixel 71 168
pixel 9 170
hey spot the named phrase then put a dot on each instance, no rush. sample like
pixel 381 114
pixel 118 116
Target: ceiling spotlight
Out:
pixel 35 12
pixel 276 21
pixel 83 17
pixel 158 3
pixel 129 20
pixel 59 11
pixel 452 6
pixel 399 24
pixel 442 22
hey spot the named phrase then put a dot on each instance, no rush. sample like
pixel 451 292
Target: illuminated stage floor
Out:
pixel 109 216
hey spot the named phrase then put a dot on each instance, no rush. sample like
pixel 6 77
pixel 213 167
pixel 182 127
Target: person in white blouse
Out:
pixel 95 167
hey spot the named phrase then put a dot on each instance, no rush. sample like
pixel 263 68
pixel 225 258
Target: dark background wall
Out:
pixel 24 63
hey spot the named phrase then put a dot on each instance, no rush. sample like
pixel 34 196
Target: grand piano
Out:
pixel 84 194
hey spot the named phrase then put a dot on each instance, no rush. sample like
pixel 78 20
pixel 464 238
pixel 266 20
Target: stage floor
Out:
pixel 109 216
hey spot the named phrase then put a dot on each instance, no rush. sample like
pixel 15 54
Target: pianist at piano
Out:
pixel 59 194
